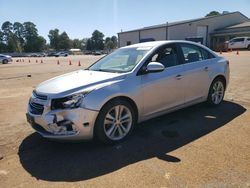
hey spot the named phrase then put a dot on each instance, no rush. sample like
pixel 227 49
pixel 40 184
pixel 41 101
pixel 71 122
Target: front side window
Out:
pixel 121 60
pixel 166 56
pixel 194 53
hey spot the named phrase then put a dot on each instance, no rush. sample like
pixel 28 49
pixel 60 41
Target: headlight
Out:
pixel 73 101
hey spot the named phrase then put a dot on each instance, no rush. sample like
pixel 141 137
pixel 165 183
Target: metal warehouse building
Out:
pixel 210 31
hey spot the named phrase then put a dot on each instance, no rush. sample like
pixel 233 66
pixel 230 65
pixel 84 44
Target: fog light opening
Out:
pixel 66 124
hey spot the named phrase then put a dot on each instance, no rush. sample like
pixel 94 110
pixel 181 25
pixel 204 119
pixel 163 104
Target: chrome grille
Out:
pixel 36 108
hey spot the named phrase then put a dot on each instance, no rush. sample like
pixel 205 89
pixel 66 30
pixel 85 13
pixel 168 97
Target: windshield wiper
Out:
pixel 106 70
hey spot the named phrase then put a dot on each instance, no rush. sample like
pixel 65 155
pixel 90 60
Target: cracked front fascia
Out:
pixel 77 116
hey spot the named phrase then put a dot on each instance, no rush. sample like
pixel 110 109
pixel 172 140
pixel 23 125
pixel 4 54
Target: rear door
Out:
pixel 197 65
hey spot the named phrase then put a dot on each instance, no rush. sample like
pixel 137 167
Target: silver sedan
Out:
pixel 5 58
pixel 130 85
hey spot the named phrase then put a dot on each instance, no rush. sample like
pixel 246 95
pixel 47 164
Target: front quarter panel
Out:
pixel 127 87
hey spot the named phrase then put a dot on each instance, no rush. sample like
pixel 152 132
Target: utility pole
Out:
pixel 167 31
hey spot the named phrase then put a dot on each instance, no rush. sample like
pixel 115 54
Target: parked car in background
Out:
pixel 5 59
pixel 239 43
pixel 52 54
pixel 87 52
pixel 133 84
pixel 97 53
pixel 63 54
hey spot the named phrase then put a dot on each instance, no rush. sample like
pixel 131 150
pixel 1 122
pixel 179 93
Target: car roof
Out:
pixel 155 44
pixel 159 43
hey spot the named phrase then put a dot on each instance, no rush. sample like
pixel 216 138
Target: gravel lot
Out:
pixel 195 147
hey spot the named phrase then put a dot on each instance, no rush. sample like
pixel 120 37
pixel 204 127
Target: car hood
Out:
pixel 76 82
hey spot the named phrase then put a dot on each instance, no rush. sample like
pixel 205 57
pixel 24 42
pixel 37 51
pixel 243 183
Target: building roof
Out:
pixel 243 28
pixel 245 24
pixel 182 22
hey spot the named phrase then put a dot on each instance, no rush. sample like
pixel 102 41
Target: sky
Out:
pixel 79 18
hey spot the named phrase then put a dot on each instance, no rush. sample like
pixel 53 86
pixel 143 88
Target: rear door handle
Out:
pixel 206 69
pixel 178 77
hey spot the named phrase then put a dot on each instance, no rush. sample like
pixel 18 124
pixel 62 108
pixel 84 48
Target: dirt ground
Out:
pixel 195 147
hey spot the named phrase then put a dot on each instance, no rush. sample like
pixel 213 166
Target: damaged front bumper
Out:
pixel 64 124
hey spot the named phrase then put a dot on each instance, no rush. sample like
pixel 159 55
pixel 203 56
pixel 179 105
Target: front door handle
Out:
pixel 178 77
pixel 206 69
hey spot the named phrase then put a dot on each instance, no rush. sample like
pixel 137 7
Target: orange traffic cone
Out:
pixel 237 53
pixel 41 61
pixel 58 63
pixel 79 63
pixel 29 61
pixel 70 62
pixel 36 61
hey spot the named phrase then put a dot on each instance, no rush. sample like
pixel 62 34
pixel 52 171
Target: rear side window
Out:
pixel 192 53
pixel 248 39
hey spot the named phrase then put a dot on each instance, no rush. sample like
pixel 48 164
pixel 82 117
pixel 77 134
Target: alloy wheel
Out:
pixel 217 92
pixel 118 122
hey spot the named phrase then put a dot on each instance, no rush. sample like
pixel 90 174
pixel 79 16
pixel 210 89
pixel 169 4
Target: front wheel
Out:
pixel 216 92
pixel 114 122
pixel 5 61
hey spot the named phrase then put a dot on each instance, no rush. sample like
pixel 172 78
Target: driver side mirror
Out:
pixel 154 67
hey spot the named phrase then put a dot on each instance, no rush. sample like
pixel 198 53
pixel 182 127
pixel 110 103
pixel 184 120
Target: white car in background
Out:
pixel 5 59
pixel 239 43
pixel 62 54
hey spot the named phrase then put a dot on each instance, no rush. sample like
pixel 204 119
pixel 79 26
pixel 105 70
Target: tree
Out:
pixel 97 40
pixel 213 13
pixel 33 42
pixel 7 30
pixel 8 36
pixel 115 41
pixel 19 36
pixel 77 43
pixel 84 43
pixel 64 41
pixel 89 45
pixel 54 38
pixel 59 41
pixel 111 43
pixel 2 44
pixel 107 39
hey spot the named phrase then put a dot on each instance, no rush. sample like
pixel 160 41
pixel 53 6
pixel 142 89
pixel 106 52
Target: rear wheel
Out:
pixel 216 92
pixel 114 122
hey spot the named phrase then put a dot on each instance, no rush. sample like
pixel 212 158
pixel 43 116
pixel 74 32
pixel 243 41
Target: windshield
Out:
pixel 121 60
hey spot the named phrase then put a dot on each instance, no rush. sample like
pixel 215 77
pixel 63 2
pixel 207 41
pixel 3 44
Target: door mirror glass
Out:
pixel 154 67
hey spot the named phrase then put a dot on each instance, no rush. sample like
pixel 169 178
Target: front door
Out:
pixel 163 90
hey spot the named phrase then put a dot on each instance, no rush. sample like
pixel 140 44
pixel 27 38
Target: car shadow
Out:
pixel 54 161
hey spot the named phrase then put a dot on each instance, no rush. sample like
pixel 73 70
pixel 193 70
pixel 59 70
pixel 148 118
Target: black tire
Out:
pixel 5 61
pixel 210 99
pixel 99 130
